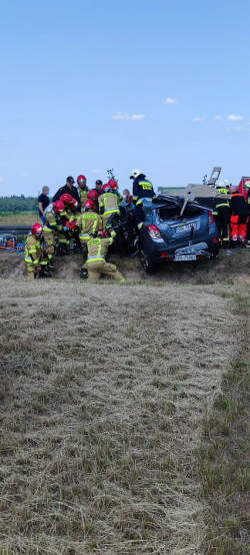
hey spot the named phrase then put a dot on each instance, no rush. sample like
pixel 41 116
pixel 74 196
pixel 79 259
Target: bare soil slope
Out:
pixel 226 269
pixel 103 389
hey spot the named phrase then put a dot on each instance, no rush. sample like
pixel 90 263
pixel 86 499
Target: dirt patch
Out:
pixel 12 265
pixel 227 268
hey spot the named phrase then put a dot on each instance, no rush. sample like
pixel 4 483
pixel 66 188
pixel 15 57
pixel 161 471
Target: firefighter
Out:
pixel 96 264
pixel 74 219
pixel 108 204
pixel 70 204
pixel 247 184
pixel 62 231
pixel 34 255
pixel 114 188
pixel 142 189
pixel 238 220
pixel 93 196
pixel 89 225
pixel 222 215
pixel 49 235
pixel 82 189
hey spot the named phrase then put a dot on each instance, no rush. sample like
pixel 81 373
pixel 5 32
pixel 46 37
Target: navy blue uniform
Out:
pixel 142 189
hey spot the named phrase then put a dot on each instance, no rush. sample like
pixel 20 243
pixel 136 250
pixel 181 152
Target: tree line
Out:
pixel 16 203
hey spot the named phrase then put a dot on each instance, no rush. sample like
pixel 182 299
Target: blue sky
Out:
pixel 87 85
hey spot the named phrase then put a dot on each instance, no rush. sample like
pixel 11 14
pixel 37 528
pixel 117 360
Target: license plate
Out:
pixel 184 257
pixel 185 228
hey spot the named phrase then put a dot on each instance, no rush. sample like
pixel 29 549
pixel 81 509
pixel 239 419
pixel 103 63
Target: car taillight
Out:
pixel 210 218
pixel 153 231
pixel 214 240
pixel 164 254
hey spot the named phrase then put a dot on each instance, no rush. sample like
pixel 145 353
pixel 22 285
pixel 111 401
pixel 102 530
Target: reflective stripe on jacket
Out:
pixel 98 248
pixel 109 202
pixel 33 250
pixel 142 188
pixel 90 223
pixel 83 194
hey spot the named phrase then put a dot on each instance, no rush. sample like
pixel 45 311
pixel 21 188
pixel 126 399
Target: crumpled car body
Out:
pixel 168 235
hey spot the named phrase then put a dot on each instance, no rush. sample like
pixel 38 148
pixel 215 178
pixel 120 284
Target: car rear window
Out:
pixel 172 212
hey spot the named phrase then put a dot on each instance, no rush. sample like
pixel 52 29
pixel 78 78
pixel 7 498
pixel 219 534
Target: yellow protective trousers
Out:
pixel 98 268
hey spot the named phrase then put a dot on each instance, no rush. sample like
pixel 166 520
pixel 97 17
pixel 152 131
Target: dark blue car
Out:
pixel 176 232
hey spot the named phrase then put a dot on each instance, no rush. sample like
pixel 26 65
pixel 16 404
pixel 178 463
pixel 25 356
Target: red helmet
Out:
pixel 68 199
pixel 101 234
pixel 89 204
pixel 58 206
pixel 112 184
pixel 81 179
pixel 36 229
pixel 93 195
pixel 105 188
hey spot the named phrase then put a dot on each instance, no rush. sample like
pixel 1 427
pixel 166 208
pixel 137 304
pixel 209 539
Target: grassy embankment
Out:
pixel 224 450
pixel 18 218
pixel 123 412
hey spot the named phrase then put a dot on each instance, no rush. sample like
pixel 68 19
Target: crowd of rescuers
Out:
pixel 232 215
pixel 83 215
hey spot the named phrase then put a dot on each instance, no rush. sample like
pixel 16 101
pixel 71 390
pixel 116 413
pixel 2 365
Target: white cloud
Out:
pixel 238 129
pixel 233 117
pixel 134 117
pixel 170 100
pixel 198 119
pixel 218 117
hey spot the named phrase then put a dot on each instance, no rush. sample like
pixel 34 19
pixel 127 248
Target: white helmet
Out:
pixel 135 174
pixel 226 182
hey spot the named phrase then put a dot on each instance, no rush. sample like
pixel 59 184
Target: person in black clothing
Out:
pixel 98 186
pixel 43 202
pixel 142 189
pixel 70 190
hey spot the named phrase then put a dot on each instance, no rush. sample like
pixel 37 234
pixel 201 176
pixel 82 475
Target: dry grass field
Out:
pixel 108 402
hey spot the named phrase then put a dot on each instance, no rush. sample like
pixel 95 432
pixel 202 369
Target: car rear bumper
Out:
pixel 189 253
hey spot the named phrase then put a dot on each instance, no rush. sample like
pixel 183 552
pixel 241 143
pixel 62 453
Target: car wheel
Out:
pixel 146 262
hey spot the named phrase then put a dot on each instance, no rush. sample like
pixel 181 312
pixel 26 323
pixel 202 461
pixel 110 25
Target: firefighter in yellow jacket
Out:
pixel 49 235
pixel 96 263
pixel 108 203
pixel 34 259
pixel 89 224
pixel 82 189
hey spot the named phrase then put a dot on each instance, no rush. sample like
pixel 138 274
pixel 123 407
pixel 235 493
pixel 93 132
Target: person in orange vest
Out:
pixel 238 219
